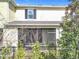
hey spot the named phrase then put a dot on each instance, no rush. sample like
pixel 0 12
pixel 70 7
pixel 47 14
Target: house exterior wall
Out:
pixel 12 11
pixel 41 14
pixel 9 13
pixel 4 14
pixel 10 37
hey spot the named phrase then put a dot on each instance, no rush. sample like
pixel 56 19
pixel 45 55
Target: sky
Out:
pixel 43 2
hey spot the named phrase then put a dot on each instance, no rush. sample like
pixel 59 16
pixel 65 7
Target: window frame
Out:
pixel 38 33
pixel 54 39
pixel 44 40
pixel 27 14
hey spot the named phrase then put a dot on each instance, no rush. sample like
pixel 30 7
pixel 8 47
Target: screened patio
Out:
pixel 44 35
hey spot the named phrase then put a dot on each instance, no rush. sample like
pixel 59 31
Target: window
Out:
pixel 31 35
pixel 30 13
pixel 51 37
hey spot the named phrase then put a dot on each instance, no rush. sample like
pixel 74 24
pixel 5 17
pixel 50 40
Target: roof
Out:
pixel 33 24
pixel 41 6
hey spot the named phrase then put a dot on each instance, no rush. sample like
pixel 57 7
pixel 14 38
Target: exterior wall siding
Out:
pixel 4 14
pixel 41 15
pixel 12 11
pixel 10 37
pixel 7 12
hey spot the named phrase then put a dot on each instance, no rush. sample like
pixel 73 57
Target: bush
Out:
pixel 36 51
pixel 37 54
pixel 20 52
pixel 6 53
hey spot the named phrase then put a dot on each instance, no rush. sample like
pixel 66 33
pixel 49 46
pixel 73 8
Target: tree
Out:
pixel 68 42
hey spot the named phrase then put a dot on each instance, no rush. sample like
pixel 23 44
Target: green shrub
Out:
pixel 36 51
pixel 6 52
pixel 20 52
pixel 37 54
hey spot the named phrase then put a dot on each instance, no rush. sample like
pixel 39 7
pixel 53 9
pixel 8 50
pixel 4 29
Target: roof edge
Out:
pixel 41 6
pixel 13 2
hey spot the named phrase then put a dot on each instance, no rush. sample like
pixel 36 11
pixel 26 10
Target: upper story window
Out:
pixel 30 13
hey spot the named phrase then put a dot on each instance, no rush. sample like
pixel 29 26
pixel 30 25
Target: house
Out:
pixel 29 23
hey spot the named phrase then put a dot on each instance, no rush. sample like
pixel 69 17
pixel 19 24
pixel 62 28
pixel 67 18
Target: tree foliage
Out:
pixel 68 42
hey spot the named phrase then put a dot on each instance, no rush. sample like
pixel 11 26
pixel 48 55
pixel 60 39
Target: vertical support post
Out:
pixel 13 50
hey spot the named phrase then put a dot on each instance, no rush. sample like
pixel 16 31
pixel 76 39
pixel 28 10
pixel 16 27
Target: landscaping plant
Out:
pixel 37 54
pixel 36 50
pixel 6 51
pixel 68 43
pixel 20 52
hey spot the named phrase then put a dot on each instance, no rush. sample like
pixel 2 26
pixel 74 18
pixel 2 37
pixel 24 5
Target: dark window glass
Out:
pixel 1 36
pixel 40 35
pixel 32 35
pixel 51 36
pixel 25 13
pixel 30 13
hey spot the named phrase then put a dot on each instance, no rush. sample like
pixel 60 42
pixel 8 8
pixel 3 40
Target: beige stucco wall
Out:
pixel 4 14
pixel 12 11
pixel 7 12
pixel 10 36
pixel 41 14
